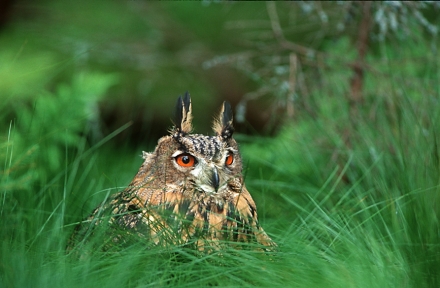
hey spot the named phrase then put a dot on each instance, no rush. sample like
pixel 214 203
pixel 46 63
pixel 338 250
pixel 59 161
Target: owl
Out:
pixel 189 191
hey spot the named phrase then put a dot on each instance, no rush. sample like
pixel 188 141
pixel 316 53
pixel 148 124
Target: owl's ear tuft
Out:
pixel 183 114
pixel 222 125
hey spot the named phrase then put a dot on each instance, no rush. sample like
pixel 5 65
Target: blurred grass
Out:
pixel 351 202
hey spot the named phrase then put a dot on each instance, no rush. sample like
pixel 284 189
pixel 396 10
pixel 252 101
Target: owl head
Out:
pixel 209 165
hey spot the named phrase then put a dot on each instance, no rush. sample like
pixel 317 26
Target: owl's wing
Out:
pixel 247 209
pixel 170 215
pixel 167 216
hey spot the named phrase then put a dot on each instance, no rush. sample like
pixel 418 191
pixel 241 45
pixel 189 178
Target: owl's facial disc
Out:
pixel 208 161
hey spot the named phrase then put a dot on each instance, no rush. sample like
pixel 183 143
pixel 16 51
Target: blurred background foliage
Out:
pixel 336 109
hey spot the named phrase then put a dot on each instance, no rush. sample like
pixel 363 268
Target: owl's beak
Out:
pixel 215 180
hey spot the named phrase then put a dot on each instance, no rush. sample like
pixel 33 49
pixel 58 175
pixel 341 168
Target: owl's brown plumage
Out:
pixel 189 190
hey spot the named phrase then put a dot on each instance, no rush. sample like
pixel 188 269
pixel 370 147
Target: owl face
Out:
pixel 211 165
pixel 209 160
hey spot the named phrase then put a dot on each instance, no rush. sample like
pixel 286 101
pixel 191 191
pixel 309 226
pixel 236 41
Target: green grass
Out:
pixel 350 201
pixel 363 215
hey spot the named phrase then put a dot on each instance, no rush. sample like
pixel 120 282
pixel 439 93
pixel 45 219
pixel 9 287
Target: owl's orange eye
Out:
pixel 229 159
pixel 185 160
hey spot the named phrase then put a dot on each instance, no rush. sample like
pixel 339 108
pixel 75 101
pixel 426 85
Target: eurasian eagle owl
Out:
pixel 189 191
